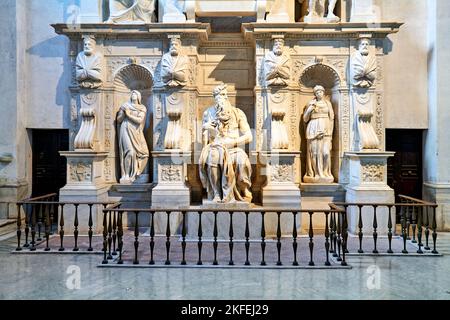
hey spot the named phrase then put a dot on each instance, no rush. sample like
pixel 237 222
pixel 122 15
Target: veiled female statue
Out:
pixel 133 150
pixel 132 11
pixel 319 118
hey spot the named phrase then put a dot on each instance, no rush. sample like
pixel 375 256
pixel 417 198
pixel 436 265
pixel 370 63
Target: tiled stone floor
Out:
pixel 45 277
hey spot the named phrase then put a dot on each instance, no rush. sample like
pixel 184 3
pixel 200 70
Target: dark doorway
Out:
pixel 49 168
pixel 405 168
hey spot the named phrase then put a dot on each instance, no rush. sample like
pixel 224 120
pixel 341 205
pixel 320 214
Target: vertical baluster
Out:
pixel 390 229
pixel 311 236
pixel 294 236
pixel 183 238
pixel 426 222
pixel 19 227
pixel 90 224
pixel 247 242
pixel 414 223
pixel 33 228
pixel 215 233
pixel 375 226
pixel 327 243
pixel 419 228
pixel 200 234
pixel 360 226
pixel 61 227
pixel 335 237
pixel 263 238
pixel 434 228
pixel 39 221
pixel 339 239
pixel 279 238
pixel 120 237
pixel 332 247
pixel 168 239
pixel 344 237
pixel 105 237
pixel 404 223
pixel 110 235
pixel 53 213
pixel 47 226
pixel 152 238
pixel 27 224
pixel 114 234
pixel 408 220
pixel 136 238
pixel 75 229
pixel 231 234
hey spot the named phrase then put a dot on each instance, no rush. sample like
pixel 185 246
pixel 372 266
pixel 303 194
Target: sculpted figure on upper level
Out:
pixel 277 65
pixel 175 65
pixel 88 66
pixel 363 66
pixel 317 11
pixel 132 11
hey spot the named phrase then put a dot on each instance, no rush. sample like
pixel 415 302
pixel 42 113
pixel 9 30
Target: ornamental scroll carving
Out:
pixel 372 172
pixel 171 173
pixel 282 173
pixel 81 172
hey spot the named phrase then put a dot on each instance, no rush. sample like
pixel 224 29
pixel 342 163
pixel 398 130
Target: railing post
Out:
pixel 231 235
pixel 247 242
pixel 414 223
pixel 75 229
pixel 375 226
pixel 345 237
pixel 339 239
pixel 61 227
pixel 168 239
pixel 105 237
pixel 183 237
pixel 332 233
pixel 419 229
pixel 114 234
pixel 360 226
pixel 215 244
pixel 311 243
pixel 152 238
pixel 404 223
pixel 434 228
pixel 263 239
pixel 33 228
pixel 110 235
pixel 295 235
pixel 47 224
pixel 90 224
pixel 136 238
pixel 19 227
pixel 427 228
pixel 279 238
pixel 390 229
pixel 327 243
pixel 200 234
pixel 39 222
pixel 120 237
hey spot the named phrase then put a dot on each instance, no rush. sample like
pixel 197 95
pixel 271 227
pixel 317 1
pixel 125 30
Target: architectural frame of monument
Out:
pixel 319 53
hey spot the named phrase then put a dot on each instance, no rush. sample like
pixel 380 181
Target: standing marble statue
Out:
pixel 363 66
pixel 319 118
pixel 132 11
pixel 133 150
pixel 174 65
pixel 316 11
pixel 363 69
pixel 88 65
pixel 225 169
pixel 277 65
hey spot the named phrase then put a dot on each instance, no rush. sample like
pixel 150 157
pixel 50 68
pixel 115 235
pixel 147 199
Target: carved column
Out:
pixel 174 95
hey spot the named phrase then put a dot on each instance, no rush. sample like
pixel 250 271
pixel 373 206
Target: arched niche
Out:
pixel 126 79
pixel 328 77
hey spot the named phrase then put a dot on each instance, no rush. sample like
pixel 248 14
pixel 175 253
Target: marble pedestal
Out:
pixel 368 184
pixel 171 190
pixel 85 183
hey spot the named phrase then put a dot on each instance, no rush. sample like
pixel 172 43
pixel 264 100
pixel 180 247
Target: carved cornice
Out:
pixel 320 31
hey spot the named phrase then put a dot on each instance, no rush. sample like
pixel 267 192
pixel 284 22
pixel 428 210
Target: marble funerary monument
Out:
pixel 169 111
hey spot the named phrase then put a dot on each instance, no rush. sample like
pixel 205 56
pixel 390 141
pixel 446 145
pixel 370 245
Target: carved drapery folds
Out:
pixel 132 11
pixel 174 65
pixel 85 137
pixel 320 11
pixel 279 136
pixel 277 65
pixel 173 137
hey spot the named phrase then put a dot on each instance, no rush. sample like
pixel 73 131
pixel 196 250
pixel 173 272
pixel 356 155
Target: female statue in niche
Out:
pixel 319 117
pixel 133 150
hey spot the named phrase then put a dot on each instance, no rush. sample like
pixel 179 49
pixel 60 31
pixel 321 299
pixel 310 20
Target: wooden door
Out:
pixel 405 168
pixel 49 168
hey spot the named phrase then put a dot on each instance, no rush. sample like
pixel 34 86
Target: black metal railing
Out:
pixel 417 219
pixel 333 237
pixel 46 216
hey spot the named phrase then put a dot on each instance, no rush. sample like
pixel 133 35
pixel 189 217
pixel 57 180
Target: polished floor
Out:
pixel 42 276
